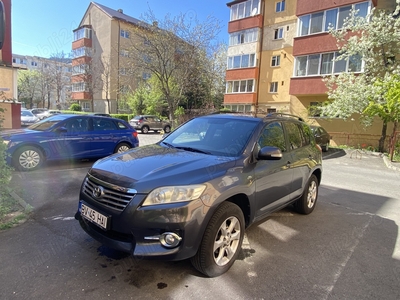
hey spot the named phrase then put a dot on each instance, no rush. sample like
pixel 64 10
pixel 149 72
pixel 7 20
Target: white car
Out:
pixel 28 118
pixel 48 113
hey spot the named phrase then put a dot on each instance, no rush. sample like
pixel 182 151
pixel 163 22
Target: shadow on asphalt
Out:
pixel 333 153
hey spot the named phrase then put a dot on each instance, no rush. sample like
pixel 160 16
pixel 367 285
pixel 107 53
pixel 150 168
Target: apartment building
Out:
pixel 58 71
pixel 279 52
pixel 101 76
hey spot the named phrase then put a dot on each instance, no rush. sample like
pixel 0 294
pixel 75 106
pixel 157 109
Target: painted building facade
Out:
pixel 293 51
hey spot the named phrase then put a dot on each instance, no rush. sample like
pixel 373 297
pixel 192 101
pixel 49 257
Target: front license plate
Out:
pixel 94 216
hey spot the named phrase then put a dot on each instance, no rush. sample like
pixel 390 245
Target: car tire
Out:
pixel 167 129
pixel 28 158
pixel 145 129
pixel 306 203
pixel 221 242
pixel 122 147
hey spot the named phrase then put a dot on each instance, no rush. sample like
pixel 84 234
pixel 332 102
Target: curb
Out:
pixel 27 207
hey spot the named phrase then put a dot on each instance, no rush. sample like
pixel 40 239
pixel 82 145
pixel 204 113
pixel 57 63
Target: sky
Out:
pixel 44 27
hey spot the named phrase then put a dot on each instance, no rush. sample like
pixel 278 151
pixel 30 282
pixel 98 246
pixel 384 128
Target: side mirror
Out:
pixel 269 153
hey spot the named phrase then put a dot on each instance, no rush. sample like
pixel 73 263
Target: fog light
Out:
pixel 170 239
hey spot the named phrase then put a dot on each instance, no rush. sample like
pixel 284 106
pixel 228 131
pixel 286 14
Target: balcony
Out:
pixel 243 73
pixel 307 86
pixel 242 98
pixel 246 23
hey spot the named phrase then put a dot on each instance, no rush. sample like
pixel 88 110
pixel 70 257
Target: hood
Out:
pixel 147 167
pixel 6 134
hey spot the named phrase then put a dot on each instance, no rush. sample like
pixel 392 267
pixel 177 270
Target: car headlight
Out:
pixel 173 194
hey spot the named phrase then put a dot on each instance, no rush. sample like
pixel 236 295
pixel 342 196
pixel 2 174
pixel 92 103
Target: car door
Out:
pixel 73 138
pixel 105 137
pixel 272 177
pixel 300 156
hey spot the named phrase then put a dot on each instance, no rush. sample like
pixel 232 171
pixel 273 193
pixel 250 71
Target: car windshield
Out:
pixel 216 136
pixel 47 123
pixel 26 113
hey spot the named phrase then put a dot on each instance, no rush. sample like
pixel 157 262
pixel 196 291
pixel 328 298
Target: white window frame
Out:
pixel 275 61
pixel 305 65
pixel 240 86
pixel 245 9
pixel 273 87
pixel 124 33
pixel 231 61
pixel 278 33
pixel 244 37
pixel 304 22
pixel 280 6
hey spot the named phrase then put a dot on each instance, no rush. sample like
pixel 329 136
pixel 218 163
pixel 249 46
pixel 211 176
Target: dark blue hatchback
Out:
pixel 67 136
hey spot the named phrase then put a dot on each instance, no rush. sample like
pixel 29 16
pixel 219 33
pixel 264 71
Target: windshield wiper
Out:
pixel 168 144
pixel 193 150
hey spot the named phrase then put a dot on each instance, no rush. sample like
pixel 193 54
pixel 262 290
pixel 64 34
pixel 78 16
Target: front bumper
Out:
pixel 136 231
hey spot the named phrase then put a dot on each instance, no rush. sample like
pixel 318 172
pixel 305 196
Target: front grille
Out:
pixel 111 196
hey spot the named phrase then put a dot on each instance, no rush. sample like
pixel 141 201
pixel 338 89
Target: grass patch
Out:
pixel 11 212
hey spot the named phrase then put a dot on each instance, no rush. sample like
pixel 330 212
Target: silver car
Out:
pixel 28 118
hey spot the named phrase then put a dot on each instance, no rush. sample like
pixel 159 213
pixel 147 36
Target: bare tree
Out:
pixel 58 73
pixel 173 51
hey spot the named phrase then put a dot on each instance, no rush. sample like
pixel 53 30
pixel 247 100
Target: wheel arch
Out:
pixel 30 144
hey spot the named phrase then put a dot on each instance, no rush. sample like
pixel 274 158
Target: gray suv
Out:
pixel 192 194
pixel 145 123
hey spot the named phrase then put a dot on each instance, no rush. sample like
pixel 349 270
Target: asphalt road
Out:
pixel 348 248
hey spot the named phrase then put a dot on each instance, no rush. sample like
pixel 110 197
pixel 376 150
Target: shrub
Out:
pixel 75 107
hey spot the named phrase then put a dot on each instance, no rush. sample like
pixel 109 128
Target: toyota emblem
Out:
pixel 98 192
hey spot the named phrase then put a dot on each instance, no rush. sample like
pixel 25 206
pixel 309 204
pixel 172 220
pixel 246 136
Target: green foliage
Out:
pixel 75 107
pixel 147 98
pixel 6 203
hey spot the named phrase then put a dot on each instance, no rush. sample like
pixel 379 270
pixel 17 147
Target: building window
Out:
pixel 326 63
pixel 276 61
pixel 123 89
pixel 146 76
pixel 124 53
pixel 79 69
pixel 245 9
pixel 79 87
pixel 242 37
pixel 82 51
pixel 278 33
pixel 33 63
pixel 334 18
pixel 244 108
pixel 280 6
pixel 240 86
pixel 83 33
pixel 124 34
pixel 85 106
pixel 241 61
pixel 273 87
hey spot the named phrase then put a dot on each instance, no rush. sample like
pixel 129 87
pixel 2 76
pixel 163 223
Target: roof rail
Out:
pixel 284 115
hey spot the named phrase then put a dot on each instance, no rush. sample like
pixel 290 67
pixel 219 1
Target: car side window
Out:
pixel 297 136
pixel 100 124
pixel 273 135
pixel 77 125
pixel 121 125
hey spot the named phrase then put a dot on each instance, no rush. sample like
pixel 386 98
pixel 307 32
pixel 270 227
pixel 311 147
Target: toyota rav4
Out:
pixel 192 194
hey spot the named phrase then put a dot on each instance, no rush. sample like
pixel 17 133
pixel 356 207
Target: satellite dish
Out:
pixel 2 24
pixel 254 11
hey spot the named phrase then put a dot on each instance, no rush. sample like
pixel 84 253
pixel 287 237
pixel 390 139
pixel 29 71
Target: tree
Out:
pixel 28 84
pixel 57 73
pixel 388 110
pixel 148 98
pixel 173 50
pixel 376 40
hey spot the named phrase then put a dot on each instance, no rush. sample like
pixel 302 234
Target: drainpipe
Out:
pixel 118 49
pixel 262 6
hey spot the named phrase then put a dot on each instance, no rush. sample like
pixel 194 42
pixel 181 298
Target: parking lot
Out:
pixel 348 248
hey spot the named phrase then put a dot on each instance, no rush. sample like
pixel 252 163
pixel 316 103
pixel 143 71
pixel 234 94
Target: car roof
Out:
pixel 268 117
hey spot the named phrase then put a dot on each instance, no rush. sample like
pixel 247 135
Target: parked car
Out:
pixel 192 194
pixel 322 137
pixel 38 111
pixel 145 123
pixel 67 137
pixel 28 118
pixel 48 113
